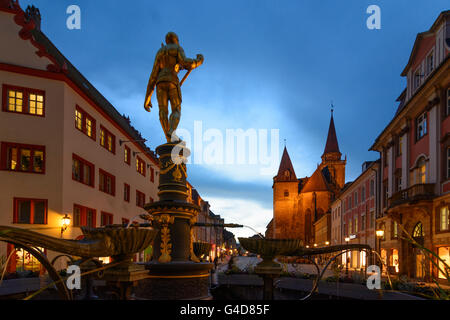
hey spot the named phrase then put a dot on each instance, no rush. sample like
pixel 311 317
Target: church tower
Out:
pixel 285 191
pixel 332 165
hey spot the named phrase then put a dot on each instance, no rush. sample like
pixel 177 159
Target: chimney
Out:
pixel 33 13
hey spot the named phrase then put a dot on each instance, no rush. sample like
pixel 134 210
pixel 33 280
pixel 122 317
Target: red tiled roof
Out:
pixel 317 182
pixel 332 143
pixel 286 164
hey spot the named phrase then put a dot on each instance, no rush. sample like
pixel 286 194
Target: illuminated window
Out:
pixel 106 218
pixel 418 231
pixel 444 263
pixel 395 230
pixel 107 182
pixel 85 123
pixel 21 260
pixel 363 223
pixel 394 259
pixel 82 170
pixel 23 100
pixel 84 216
pixel 444 219
pixel 23 158
pixel 127 155
pixel 15 101
pixel 421 171
pixel 421 126
pixel 107 140
pixel 78 120
pixel 36 104
pixel 140 166
pixel 30 211
pixel 356 224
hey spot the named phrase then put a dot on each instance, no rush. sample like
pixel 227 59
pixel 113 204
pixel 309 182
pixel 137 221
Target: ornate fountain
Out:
pixel 117 242
pixel 269 249
pixel 175 272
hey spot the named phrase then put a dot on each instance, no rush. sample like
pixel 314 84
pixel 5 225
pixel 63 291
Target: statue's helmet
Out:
pixel 171 37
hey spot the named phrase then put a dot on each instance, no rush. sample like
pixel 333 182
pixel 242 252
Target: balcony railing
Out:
pixel 414 193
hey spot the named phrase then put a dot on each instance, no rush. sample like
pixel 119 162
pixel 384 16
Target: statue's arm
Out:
pixel 188 63
pixel 151 84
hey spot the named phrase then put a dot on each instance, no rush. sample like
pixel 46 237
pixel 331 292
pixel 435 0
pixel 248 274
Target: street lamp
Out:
pixel 380 235
pixel 65 222
pixel 347 239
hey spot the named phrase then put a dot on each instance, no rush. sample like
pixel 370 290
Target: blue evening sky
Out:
pixel 268 65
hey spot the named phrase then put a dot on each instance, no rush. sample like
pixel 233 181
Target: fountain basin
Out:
pixel 201 248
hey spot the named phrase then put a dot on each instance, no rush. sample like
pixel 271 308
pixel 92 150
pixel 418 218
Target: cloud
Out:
pixel 242 211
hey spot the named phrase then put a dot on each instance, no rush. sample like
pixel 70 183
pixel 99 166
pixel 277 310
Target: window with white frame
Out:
pixel 421 126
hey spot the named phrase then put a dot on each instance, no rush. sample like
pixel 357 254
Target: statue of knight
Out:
pixel 169 60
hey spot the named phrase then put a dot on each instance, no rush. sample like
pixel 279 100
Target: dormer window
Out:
pixel 416 80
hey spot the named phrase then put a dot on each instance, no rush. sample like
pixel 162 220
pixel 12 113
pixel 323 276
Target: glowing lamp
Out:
pixel 380 233
pixel 347 239
pixel 327 243
pixel 65 222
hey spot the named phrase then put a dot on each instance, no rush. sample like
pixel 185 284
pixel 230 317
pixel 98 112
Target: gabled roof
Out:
pixel 63 67
pixel 420 36
pixel 286 164
pixel 317 182
pixel 332 143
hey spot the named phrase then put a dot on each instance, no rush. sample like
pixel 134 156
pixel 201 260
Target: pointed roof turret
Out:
pixel 332 145
pixel 286 171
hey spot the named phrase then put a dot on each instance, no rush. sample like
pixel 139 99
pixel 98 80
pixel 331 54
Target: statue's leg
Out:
pixel 175 104
pixel 163 103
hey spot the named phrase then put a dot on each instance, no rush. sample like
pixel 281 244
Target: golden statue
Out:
pixel 169 60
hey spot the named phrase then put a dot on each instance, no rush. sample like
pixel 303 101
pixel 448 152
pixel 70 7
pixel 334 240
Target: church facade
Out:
pixel 300 202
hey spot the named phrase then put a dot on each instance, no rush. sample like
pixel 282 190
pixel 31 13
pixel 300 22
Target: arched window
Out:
pixel 418 231
pixel 421 171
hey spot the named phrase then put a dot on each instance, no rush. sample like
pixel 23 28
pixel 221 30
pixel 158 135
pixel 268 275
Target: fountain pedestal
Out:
pixel 175 272
pixel 122 278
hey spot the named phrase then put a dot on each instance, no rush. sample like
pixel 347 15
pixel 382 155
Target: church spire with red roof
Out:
pixel 286 171
pixel 332 146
